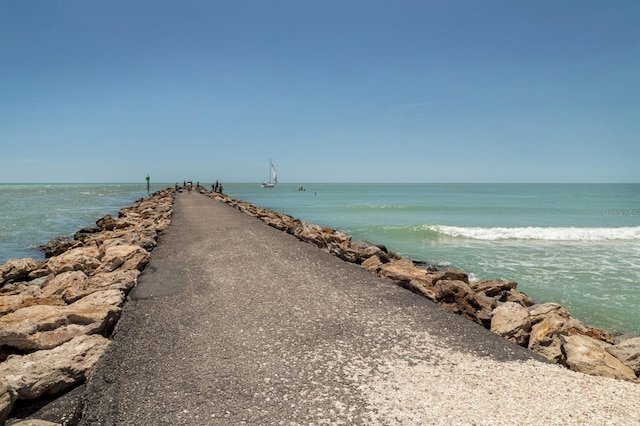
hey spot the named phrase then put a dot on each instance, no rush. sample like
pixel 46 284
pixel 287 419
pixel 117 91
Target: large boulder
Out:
pixel 64 284
pixel 518 297
pixel 106 223
pixel 492 288
pixel 405 274
pixel 7 397
pixel 403 270
pixel 147 238
pixel 448 275
pixel 123 257
pixel 546 337
pixel 45 327
pixel 587 355
pixel 459 298
pixel 51 371
pixel 540 312
pixel 28 296
pixel 372 264
pixel 511 321
pixel 17 269
pixel 74 285
pixel 85 259
pixel 628 351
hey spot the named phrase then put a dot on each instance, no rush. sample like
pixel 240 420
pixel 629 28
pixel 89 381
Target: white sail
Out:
pixel 273 177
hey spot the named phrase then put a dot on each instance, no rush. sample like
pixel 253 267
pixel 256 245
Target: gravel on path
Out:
pixel 234 322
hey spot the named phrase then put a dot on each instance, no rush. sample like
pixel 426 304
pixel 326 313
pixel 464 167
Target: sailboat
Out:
pixel 273 177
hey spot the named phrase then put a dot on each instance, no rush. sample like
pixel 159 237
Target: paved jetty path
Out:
pixel 234 322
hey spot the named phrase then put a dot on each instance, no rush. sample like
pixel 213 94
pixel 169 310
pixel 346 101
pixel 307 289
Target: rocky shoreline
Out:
pixel 56 315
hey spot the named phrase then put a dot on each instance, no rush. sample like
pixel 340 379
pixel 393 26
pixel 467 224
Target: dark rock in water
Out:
pixel 57 246
pixel 107 223
pixel 362 244
pixel 85 233
pixel 428 266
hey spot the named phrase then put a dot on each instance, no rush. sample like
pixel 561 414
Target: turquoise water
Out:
pixel 578 245
pixel 33 214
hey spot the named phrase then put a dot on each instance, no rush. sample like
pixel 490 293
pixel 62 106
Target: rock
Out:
pixel 459 298
pixel 587 355
pixel 86 234
pixel 85 259
pixel 623 337
pixel 493 288
pixel 512 322
pixel 146 238
pixel 58 246
pixel 343 251
pixel 51 371
pixel 404 270
pixel 546 337
pixel 106 223
pixel 29 296
pixel 367 252
pixel 17 269
pixel 577 327
pixel 540 312
pixel 64 284
pixel 449 275
pixel 515 296
pixel 7 397
pixel 628 351
pixel 75 285
pixel 405 274
pixel 487 305
pixel 372 264
pixel 124 257
pixel 45 327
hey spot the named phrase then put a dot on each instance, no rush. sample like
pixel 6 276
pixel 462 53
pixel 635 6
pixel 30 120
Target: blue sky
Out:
pixel 333 91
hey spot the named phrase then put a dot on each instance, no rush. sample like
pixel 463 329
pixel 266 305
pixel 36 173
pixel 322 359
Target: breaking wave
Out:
pixel 539 233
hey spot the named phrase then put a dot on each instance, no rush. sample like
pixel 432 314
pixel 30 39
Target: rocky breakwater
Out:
pixel 547 329
pixel 56 315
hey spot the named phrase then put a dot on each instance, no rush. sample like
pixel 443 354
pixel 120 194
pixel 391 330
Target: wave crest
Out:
pixel 539 233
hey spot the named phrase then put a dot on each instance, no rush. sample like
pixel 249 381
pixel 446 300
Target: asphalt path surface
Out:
pixel 234 322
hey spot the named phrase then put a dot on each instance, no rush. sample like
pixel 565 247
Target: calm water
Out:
pixel 578 245
pixel 33 214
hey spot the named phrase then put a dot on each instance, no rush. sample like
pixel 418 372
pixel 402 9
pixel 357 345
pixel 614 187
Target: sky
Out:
pixel 331 91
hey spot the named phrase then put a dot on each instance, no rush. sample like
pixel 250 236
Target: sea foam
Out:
pixel 539 233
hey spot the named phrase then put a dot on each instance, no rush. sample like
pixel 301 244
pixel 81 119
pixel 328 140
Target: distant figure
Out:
pixel 217 187
pixel 189 187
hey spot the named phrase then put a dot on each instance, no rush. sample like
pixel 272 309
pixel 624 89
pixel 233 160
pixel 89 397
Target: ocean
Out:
pixel 575 244
pixel 33 214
